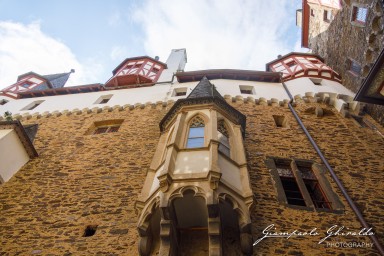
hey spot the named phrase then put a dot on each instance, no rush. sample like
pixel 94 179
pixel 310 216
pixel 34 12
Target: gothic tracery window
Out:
pixel 196 133
pixel 223 137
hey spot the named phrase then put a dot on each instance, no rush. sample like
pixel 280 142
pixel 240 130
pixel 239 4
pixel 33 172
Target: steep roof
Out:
pixel 205 93
pixel 204 89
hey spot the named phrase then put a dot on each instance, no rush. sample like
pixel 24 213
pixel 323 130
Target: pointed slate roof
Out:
pixel 58 80
pixel 204 93
pixel 204 89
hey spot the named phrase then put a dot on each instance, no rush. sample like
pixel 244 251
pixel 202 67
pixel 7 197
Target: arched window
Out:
pixel 196 133
pixel 223 138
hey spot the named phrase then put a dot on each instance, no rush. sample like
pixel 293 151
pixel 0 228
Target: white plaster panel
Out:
pixel 304 84
pixel 231 174
pixel 192 162
pixel 13 155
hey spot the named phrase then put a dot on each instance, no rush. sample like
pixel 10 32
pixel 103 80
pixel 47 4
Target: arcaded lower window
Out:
pixel 196 133
pixel 223 137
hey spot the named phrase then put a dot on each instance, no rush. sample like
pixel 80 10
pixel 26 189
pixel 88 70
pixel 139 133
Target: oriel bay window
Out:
pixel 196 133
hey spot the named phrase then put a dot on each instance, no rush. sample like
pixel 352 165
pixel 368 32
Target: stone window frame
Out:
pixel 222 128
pixel 103 99
pixel 350 70
pixel 280 121
pixel 247 89
pixel 327 16
pixel 110 126
pixel 189 123
pixel 355 22
pixel 319 171
pixel 180 92
pixel 32 105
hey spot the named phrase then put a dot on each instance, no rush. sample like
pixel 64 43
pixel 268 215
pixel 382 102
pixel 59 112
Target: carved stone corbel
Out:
pixel 214 179
pixel 165 181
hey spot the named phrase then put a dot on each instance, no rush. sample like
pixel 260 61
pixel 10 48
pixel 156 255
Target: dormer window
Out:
pixel 196 133
pixel 223 137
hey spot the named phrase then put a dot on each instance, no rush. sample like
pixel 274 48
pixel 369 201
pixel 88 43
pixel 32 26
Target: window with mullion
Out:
pixel 195 137
pixel 196 133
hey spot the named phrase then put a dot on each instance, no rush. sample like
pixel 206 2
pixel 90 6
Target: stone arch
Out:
pixel 149 228
pixel 190 215
pixel 235 226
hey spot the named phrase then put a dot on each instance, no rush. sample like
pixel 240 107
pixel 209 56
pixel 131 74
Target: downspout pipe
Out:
pixel 357 212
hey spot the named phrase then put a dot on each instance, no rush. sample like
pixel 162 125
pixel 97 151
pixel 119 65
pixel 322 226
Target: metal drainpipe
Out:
pixel 333 174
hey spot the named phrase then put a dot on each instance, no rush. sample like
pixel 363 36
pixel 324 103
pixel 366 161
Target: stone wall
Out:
pixel 352 151
pixel 83 180
pixel 80 180
pixel 343 41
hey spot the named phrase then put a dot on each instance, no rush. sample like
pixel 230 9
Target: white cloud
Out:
pixel 217 34
pixel 25 48
pixel 118 53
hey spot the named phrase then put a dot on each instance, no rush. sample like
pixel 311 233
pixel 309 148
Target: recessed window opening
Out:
pixel 354 68
pixel 280 121
pixel 90 231
pixel 177 92
pixel 103 99
pixel 316 81
pixel 290 186
pixel 316 193
pixel 359 14
pixel 246 89
pixel 33 105
pixel 107 126
pixel 196 133
pixel 223 137
pixel 327 16
pixel 3 102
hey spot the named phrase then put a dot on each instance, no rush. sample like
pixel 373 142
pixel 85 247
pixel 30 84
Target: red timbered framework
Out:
pixel 134 72
pixel 295 65
pixel 24 84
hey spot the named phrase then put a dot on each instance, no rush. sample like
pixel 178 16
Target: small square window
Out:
pixel 107 126
pixel 316 81
pixel 3 102
pixel 103 99
pixel 33 105
pixel 359 15
pixel 312 13
pixel 280 121
pixel 354 67
pixel 246 89
pixel 327 16
pixel 179 92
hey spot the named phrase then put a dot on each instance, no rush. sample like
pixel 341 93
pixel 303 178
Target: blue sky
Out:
pixel 94 36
